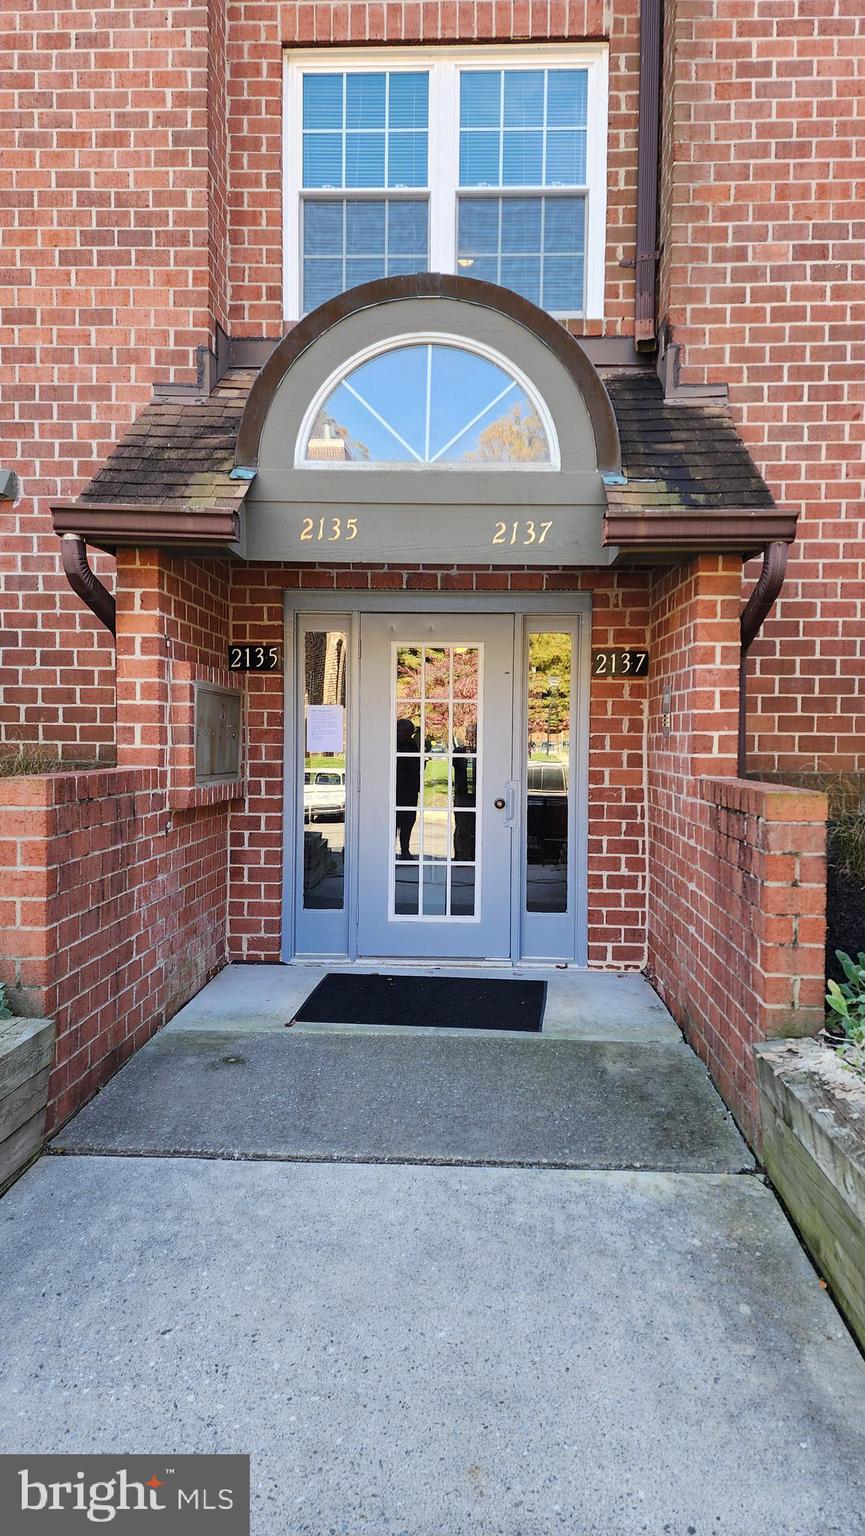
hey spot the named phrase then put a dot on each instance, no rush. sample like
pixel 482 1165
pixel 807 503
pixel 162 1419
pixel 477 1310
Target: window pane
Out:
pixel 351 233
pixel 480 159
pixel 564 224
pixel 479 224
pixel 363 269
pixel 563 284
pixel 322 101
pixel 567 98
pixel 431 403
pixel 521 224
pixel 524 98
pixel 324 776
pixel 365 228
pixel 407 164
pixel 408 230
pixel 522 165
pixel 480 98
pixel 409 101
pixel 541 246
pixel 524 128
pixel 322 160
pixel 549 738
pixel 364 101
pixel 364 160
pixel 405 890
pixel 321 280
pixel 523 275
pixel 566 157
pixel 377 130
pixel 322 229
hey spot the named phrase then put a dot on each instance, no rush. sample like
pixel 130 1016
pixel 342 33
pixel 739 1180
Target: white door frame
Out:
pixel 348 605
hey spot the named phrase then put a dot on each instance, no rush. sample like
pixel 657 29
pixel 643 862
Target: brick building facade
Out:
pixel 143 207
pixel 148 247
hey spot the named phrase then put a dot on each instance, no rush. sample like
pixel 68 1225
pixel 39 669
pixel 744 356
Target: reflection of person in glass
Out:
pixel 464 795
pixel 407 783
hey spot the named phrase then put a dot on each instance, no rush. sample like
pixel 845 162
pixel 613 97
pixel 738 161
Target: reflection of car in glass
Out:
pixel 323 793
pixel 547 786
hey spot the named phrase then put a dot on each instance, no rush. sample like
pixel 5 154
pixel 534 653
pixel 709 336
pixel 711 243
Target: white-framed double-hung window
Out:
pixel 482 161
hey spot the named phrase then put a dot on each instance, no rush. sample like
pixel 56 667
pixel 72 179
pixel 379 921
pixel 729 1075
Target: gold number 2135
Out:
pixel 328 530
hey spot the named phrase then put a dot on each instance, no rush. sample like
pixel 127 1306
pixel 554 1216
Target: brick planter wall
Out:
pixel 113 913
pixel 737 869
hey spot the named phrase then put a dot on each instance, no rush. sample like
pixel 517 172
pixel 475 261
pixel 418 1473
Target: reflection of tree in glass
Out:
pixel 516 437
pixel 465 674
pixel 549 688
pixel 331 441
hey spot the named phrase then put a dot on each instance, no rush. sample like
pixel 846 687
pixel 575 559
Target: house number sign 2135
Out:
pixel 255 658
pixel 613 663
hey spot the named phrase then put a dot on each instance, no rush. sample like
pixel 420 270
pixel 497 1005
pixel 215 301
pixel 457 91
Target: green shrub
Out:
pixel 5 1006
pixel 847 1002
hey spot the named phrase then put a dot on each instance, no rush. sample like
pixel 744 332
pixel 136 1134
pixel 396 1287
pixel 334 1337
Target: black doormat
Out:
pixel 441 1002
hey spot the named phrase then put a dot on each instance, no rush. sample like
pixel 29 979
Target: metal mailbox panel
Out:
pixel 217 733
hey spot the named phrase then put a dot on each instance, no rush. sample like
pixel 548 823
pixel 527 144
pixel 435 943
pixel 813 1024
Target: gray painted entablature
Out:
pixel 547 509
pixel 629 476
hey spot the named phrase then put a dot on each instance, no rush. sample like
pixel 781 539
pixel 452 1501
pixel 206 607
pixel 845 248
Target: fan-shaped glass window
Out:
pixel 429 403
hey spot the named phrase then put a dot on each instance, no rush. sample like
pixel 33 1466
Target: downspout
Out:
pixel 754 614
pixel 648 144
pixel 85 583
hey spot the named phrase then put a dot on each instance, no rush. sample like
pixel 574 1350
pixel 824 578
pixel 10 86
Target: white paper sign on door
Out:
pixel 325 728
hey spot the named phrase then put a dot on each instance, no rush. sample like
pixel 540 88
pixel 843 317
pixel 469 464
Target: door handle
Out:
pixel 511 795
pixel 499 804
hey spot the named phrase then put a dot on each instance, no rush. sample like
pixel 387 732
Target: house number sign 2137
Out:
pixel 613 663
pixel 255 658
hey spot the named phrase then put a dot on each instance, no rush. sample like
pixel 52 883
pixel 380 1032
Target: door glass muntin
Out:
pixel 436 691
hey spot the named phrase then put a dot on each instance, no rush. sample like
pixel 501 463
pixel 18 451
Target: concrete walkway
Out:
pixel 433 1350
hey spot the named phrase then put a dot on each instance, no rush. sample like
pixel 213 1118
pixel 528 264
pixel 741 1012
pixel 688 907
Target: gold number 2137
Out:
pixel 520 532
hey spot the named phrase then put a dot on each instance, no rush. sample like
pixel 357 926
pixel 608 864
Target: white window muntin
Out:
pixel 425 338
pixel 443 66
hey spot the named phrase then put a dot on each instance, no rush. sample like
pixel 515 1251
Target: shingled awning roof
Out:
pixel 689 478
pixel 689 483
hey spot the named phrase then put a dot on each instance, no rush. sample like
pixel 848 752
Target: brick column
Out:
pixel 736 868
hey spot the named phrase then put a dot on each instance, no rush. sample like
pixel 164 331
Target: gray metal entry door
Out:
pixel 437 802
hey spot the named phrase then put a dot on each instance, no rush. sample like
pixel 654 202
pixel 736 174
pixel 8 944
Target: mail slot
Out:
pixel 217 733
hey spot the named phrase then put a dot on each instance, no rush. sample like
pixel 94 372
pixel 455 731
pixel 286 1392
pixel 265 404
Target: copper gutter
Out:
pixel 645 324
pixel 85 583
pixel 109 525
pixel 679 531
pixel 754 615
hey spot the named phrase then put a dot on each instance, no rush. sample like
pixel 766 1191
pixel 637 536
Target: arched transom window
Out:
pixel 429 402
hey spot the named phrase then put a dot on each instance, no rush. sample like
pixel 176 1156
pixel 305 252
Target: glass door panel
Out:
pixel 323 661
pixel 548 843
pixel 436 742
pixel 434 780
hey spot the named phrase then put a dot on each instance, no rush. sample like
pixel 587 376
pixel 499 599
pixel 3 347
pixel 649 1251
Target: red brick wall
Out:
pixel 617 710
pixel 116 882
pixel 113 914
pixel 144 203
pixel 257 37
pixel 736 868
pixel 104 282
pixel 763 286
